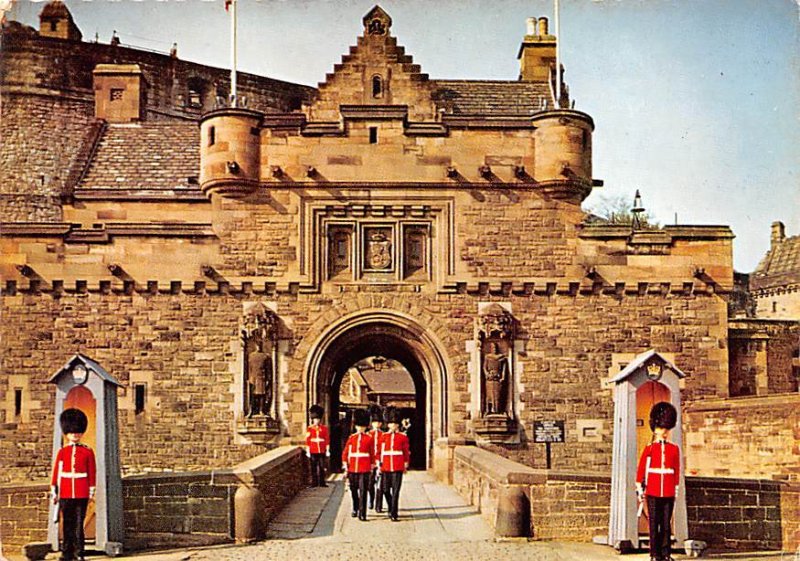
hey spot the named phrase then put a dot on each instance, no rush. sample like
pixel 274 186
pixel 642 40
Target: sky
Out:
pixel 696 103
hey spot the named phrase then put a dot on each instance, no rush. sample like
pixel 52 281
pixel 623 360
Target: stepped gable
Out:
pixel 154 157
pixel 779 267
pixel 376 55
pixel 491 97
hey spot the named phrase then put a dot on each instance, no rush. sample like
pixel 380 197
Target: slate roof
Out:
pixel 780 266
pixel 158 156
pixel 393 381
pixel 491 97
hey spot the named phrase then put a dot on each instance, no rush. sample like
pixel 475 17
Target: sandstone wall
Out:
pixel 746 437
pixel 185 347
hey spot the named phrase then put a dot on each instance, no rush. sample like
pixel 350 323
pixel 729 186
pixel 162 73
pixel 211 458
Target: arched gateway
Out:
pixel 394 336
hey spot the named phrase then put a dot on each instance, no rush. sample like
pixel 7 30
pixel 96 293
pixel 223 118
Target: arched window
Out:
pixel 377 86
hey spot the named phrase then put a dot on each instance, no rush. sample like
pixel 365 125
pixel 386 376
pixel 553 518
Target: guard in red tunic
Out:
pixel 73 482
pixel 357 459
pixel 395 456
pixel 317 441
pixel 657 479
pixel 375 490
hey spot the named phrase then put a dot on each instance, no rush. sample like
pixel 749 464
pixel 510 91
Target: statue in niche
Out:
pixel 259 379
pixel 495 374
pixel 496 333
pixel 259 338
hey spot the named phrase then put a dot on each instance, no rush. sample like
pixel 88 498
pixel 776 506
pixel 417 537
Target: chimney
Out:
pixel 119 93
pixel 778 233
pixel 537 54
pixel 55 20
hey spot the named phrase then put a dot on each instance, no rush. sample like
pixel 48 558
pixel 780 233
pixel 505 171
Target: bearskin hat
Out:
pixel 663 415
pixel 393 415
pixel 361 418
pixel 375 414
pixel 73 421
pixel 316 412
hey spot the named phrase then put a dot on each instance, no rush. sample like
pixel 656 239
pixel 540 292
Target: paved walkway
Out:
pixel 435 525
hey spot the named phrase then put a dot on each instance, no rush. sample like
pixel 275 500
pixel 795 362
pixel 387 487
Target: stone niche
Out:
pixel 496 422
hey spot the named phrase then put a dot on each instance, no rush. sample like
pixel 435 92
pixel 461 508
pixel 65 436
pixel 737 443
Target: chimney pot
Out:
pixel 778 233
pixel 530 25
pixel 543 27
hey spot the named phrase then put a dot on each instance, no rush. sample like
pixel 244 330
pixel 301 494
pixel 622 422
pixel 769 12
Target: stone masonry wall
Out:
pixel 47 93
pixel 169 510
pixel 745 437
pixel 186 346
pixel 738 514
pixel 25 511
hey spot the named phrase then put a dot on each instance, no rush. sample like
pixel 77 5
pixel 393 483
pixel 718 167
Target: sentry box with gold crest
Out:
pixel 83 384
pixel 646 380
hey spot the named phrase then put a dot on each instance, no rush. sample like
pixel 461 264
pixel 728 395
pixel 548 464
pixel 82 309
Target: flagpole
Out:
pixel 234 98
pixel 558 57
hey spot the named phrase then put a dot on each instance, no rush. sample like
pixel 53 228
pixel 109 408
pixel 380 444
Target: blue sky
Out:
pixel 696 102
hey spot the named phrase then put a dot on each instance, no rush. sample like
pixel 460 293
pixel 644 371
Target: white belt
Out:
pixel 73 475
pixel 393 453
pixel 317 440
pixel 358 455
pixel 662 471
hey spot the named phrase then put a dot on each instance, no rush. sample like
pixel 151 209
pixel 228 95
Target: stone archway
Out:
pixel 393 336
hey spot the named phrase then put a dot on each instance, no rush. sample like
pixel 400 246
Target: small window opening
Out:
pixel 53 25
pixel 373 135
pixel 17 402
pixel 116 94
pixel 377 86
pixel 212 136
pixel 139 397
pixel 774 306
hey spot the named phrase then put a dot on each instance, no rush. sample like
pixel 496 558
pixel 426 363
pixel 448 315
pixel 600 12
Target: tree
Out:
pixel 616 209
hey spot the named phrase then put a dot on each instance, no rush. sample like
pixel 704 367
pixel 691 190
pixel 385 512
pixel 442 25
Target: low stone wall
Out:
pixel 198 508
pixel 169 509
pixel 23 515
pixel 740 514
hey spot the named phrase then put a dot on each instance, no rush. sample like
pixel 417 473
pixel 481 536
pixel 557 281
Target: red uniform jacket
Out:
pixel 395 453
pixel 74 472
pixel 317 439
pixel 358 456
pixel 376 435
pixel 660 469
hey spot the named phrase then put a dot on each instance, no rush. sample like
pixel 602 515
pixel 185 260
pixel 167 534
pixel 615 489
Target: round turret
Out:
pixel 230 142
pixel 563 152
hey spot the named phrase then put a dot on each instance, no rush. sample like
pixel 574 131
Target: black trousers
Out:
pixel 376 489
pixel 660 512
pixel 391 481
pixel 73 513
pixel 317 469
pixel 359 482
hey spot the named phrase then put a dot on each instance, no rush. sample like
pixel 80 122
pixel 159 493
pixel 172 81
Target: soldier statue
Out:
pixel 259 378
pixel 495 372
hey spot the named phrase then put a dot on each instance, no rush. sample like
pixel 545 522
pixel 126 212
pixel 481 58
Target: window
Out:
pixel 377 86
pixel 774 306
pixel 139 391
pixel 116 94
pixel 212 136
pixel 373 135
pixel 17 402
pixel 53 25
